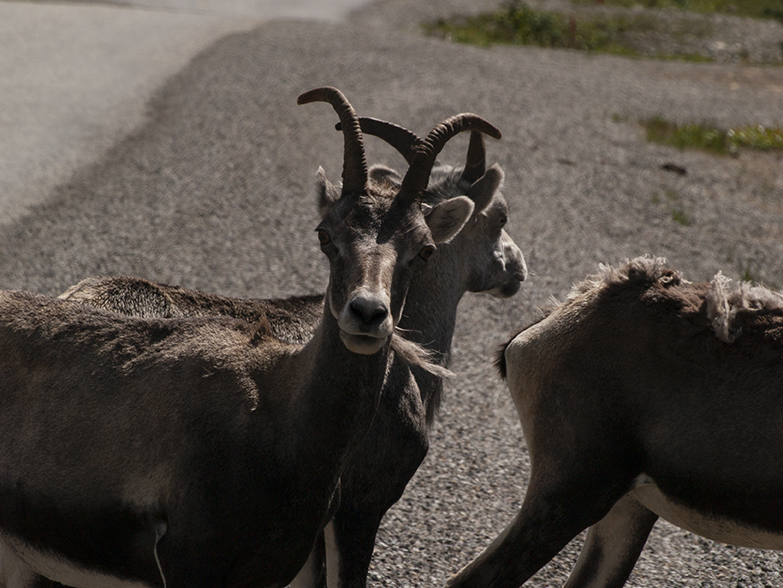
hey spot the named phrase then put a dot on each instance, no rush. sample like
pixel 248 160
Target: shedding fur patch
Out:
pixel 641 270
pixel 725 303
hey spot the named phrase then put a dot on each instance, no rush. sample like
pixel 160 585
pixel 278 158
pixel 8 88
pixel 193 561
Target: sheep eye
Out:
pixel 323 237
pixel 427 252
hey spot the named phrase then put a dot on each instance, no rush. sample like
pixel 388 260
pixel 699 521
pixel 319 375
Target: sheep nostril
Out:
pixel 369 311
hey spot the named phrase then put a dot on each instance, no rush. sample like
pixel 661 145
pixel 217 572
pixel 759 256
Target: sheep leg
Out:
pixel 312 573
pixel 350 541
pixel 612 546
pixel 14 573
pixel 554 512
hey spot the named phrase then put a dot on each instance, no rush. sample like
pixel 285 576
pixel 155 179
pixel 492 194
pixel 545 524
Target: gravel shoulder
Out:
pixel 215 191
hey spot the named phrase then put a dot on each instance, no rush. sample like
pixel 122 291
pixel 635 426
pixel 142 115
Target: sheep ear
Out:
pixel 447 218
pixel 327 193
pixel 483 190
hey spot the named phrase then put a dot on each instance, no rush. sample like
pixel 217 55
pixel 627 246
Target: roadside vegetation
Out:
pixel 518 24
pixel 633 33
pixel 709 138
pixel 772 9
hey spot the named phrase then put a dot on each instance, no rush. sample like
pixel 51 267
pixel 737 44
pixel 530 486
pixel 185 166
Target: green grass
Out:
pixel 628 34
pixel 681 218
pixel 758 137
pixel 748 275
pixel 518 24
pixel 712 139
pixel 771 9
pixel 678 215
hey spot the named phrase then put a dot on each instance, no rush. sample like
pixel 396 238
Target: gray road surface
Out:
pixel 74 78
pixel 214 190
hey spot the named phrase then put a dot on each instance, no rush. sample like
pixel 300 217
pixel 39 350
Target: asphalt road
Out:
pixel 76 77
pixel 213 189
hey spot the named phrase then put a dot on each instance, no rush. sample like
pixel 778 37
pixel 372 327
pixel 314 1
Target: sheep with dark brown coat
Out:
pixel 480 258
pixel 194 452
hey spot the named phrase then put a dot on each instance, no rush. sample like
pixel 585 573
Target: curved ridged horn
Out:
pixel 415 181
pixel 355 176
pixel 404 141
pixel 476 162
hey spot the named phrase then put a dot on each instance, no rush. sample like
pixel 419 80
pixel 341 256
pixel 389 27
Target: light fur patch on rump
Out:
pixel 726 302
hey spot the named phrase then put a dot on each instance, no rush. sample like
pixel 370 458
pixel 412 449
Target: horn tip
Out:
pixel 305 98
pixel 317 95
pixel 487 127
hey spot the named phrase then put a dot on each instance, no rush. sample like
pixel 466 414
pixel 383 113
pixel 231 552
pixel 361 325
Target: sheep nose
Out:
pixel 521 273
pixel 370 311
